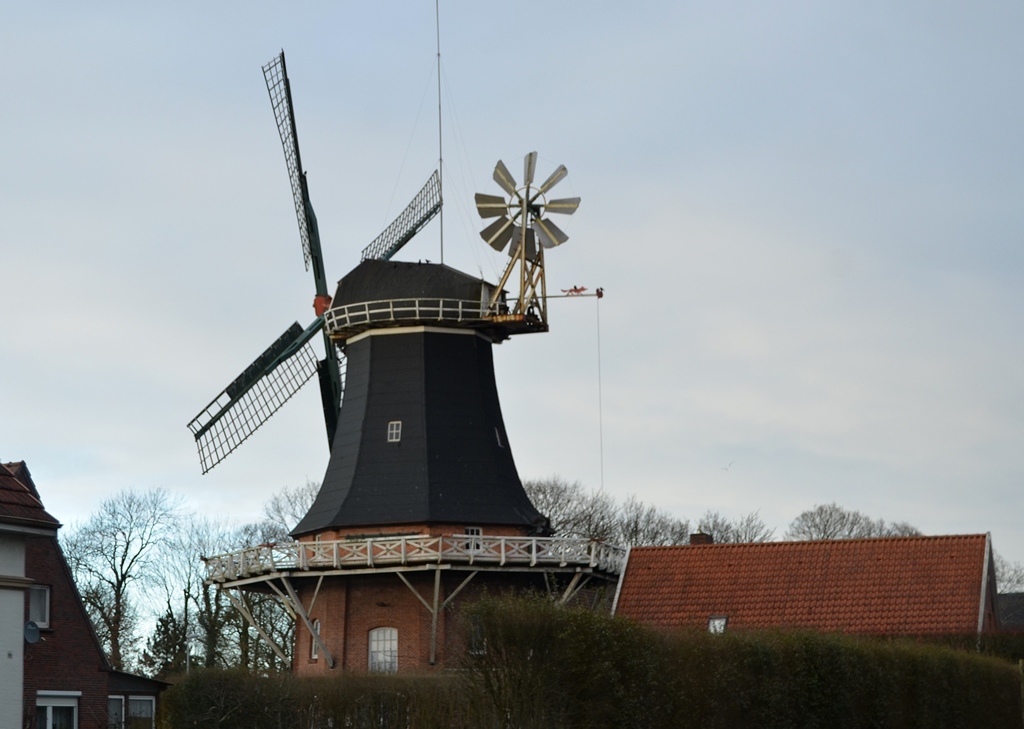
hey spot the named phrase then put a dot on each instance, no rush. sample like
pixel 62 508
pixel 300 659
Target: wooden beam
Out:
pixel 297 605
pixel 240 606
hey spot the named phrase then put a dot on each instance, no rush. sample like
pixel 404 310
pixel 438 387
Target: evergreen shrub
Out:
pixel 534 665
pixel 546 666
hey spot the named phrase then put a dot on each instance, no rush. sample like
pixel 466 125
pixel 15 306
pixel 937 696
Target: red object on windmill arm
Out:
pixel 321 303
pixel 574 291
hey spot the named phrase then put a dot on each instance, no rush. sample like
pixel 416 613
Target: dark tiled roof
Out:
pixel 892 586
pixel 374 280
pixel 1010 606
pixel 19 499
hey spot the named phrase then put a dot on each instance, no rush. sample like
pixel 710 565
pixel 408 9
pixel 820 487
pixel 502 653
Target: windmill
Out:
pixel 421 484
pixel 521 221
pixel 290 362
pixel 418 378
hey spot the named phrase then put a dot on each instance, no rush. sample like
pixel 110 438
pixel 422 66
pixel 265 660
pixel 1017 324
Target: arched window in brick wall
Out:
pixel 384 650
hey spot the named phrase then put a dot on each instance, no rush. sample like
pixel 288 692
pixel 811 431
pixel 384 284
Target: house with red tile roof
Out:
pixel 885 586
pixel 61 676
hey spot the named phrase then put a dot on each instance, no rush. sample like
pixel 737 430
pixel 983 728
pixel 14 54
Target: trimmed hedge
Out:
pixel 236 699
pixel 545 667
pixel 550 667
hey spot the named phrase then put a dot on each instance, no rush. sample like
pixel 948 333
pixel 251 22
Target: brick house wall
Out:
pixel 68 657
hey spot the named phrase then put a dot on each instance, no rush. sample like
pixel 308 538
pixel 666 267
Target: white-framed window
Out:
pixel 57 709
pixel 115 712
pixel 141 712
pixel 384 650
pixel 39 605
pixel 314 647
pixel 394 431
pixel 474 542
pixel 717 623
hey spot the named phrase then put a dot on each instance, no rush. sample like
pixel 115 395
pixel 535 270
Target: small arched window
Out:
pixel 384 650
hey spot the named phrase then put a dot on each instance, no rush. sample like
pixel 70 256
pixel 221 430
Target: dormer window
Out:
pixel 395 431
pixel 716 624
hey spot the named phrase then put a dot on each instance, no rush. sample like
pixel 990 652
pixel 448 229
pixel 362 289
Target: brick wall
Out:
pixel 349 607
pixel 434 530
pixel 68 658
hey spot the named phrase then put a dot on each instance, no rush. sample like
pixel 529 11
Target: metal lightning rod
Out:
pixel 440 151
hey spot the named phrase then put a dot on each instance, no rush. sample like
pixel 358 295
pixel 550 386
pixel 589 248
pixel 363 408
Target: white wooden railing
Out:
pixel 397 551
pixel 397 311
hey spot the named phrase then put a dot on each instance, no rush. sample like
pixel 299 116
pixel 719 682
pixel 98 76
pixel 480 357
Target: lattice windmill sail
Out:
pixel 521 221
pixel 290 362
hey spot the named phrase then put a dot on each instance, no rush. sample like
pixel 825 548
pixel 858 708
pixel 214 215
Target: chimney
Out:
pixel 701 538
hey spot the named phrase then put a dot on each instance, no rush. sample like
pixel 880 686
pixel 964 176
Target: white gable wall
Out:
pixel 12 625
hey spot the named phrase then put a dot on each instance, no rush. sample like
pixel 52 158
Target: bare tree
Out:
pixel 113 554
pixel 640 524
pixel 831 521
pixel 574 512
pixel 1009 575
pixel 204 611
pixel 751 528
pixel 748 528
pixel 287 507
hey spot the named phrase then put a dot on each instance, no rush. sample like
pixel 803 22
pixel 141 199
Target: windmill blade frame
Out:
pixel 256 394
pixel 276 75
pixel 424 206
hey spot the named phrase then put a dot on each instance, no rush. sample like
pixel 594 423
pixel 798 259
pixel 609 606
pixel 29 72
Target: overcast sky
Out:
pixel 806 217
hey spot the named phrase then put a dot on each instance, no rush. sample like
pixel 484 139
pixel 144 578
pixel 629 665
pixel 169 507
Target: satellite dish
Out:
pixel 31 632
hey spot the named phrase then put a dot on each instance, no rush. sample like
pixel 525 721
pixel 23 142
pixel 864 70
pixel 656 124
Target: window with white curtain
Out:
pixel 141 712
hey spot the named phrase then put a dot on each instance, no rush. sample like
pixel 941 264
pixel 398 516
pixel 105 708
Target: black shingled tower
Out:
pixel 419 355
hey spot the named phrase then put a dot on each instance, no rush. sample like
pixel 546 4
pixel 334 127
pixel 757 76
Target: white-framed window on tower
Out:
pixel 384 650
pixel 314 647
pixel 395 431
pixel 57 709
pixel 474 541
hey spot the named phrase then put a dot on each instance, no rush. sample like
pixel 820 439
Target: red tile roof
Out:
pixel 891 586
pixel 19 500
